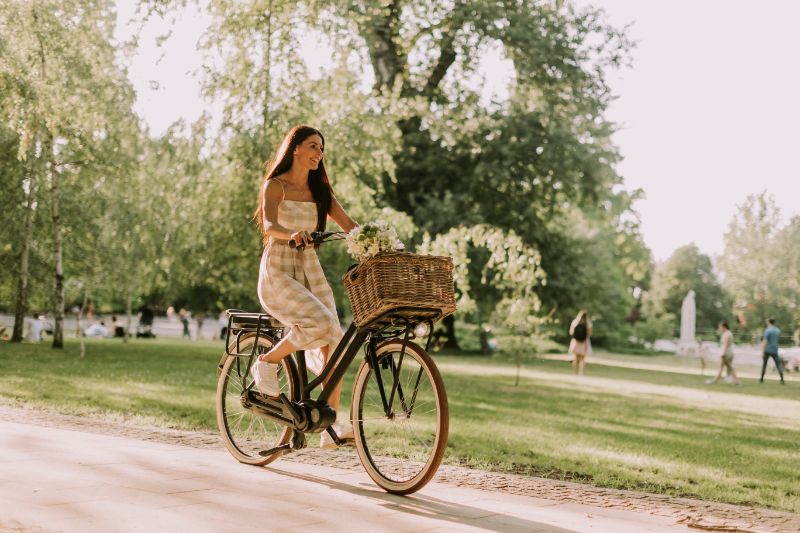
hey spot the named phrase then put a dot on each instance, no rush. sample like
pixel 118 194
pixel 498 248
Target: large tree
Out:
pixel 525 165
pixel 418 139
pixel 69 104
pixel 755 263
pixel 787 245
pixel 689 269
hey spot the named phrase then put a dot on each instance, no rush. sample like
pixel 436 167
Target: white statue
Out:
pixel 688 345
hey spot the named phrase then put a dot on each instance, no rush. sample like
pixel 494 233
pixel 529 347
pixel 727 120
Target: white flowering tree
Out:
pixel 495 273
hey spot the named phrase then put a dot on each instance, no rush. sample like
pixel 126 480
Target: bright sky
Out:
pixel 709 113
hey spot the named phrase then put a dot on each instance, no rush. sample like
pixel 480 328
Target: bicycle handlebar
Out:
pixel 318 237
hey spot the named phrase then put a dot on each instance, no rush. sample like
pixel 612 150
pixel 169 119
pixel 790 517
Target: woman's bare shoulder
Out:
pixel 273 188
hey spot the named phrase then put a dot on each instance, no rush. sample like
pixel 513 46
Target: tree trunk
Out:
pixel 381 31
pixel 79 329
pixel 265 114
pixel 450 327
pixel 128 319
pixel 55 194
pixel 58 252
pixel 21 306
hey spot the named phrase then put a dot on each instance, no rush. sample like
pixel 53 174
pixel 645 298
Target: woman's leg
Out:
pixel 581 363
pixel 719 373
pixel 779 365
pixel 279 351
pixel 764 366
pixel 333 400
pixel 732 374
pixel 342 426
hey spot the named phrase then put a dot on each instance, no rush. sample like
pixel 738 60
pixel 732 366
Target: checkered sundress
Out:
pixel 292 287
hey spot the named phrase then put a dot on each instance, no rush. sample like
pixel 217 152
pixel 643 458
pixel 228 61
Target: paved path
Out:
pixel 54 479
pixel 698 514
pixel 689 366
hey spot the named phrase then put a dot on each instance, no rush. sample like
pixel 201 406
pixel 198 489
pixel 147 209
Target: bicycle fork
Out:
pixel 396 391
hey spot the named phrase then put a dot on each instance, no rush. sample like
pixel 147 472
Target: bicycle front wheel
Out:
pixel 400 417
pixel 246 434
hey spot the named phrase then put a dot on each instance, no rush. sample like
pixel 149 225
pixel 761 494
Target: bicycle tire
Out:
pixel 244 432
pixel 401 451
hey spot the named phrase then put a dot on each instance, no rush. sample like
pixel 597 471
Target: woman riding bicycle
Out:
pixel 295 199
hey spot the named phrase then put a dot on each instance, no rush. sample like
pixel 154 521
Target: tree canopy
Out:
pixel 757 264
pixel 689 269
pixel 530 181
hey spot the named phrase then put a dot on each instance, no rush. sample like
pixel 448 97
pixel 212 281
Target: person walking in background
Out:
pixel 88 310
pixel 185 315
pixel 580 344
pixel 726 358
pixel 769 344
pixel 200 318
pixel 146 319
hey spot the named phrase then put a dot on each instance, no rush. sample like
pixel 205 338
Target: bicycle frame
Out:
pixel 388 325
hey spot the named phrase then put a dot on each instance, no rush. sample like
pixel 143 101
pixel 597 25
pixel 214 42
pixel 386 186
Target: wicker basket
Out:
pixel 397 279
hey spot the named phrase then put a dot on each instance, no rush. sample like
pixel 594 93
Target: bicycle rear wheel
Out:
pixel 245 433
pixel 401 437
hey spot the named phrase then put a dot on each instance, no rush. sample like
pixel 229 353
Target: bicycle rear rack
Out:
pixel 243 322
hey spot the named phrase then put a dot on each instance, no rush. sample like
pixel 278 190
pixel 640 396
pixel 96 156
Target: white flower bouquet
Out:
pixel 365 241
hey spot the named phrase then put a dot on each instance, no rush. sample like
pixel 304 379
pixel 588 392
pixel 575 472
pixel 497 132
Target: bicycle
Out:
pixel 399 408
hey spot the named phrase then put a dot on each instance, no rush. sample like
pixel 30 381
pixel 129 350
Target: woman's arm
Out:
pixel 340 216
pixel 273 196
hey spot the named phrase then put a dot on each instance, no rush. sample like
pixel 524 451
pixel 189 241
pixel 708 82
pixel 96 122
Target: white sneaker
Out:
pixel 265 377
pixel 343 431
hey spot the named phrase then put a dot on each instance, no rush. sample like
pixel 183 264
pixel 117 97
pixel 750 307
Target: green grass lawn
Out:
pixel 657 431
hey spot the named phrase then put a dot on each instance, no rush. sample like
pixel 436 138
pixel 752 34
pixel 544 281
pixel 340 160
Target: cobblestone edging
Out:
pixel 695 514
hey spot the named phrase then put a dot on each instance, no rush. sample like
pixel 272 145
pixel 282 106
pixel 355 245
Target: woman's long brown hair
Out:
pixel 317 179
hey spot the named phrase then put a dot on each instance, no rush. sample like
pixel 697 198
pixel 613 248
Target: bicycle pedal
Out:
pixel 283 450
pixel 298 440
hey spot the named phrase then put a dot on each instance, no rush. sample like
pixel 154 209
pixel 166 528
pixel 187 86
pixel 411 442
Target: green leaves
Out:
pixel 688 269
pixel 408 141
pixel 759 264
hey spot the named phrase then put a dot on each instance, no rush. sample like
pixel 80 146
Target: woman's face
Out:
pixel 308 153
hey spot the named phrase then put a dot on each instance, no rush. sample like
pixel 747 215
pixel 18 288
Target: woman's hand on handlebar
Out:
pixel 299 239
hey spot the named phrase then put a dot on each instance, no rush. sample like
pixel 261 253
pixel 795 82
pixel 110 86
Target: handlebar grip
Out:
pixel 315 239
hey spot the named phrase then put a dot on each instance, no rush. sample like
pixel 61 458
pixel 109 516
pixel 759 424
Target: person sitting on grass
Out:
pixel 726 358
pixel 36 328
pixel 96 330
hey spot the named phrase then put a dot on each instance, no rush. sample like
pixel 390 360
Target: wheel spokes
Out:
pixel 399 443
pixel 249 432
